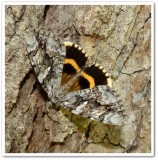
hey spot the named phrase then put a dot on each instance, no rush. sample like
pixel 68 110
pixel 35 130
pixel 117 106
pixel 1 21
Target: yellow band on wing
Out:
pixel 89 79
pixel 73 63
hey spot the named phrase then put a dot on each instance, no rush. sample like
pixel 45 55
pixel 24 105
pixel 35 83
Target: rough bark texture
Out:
pixel 119 38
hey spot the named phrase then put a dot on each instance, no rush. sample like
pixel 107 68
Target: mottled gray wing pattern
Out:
pixel 100 103
pixel 47 58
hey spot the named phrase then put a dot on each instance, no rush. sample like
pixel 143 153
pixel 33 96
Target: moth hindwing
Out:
pixel 85 90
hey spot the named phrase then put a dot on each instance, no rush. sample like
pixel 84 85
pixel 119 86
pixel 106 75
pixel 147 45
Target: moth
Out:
pixel 62 70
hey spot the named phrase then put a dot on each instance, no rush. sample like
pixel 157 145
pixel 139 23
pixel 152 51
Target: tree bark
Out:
pixel 119 38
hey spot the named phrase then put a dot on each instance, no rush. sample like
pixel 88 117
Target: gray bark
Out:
pixel 119 38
